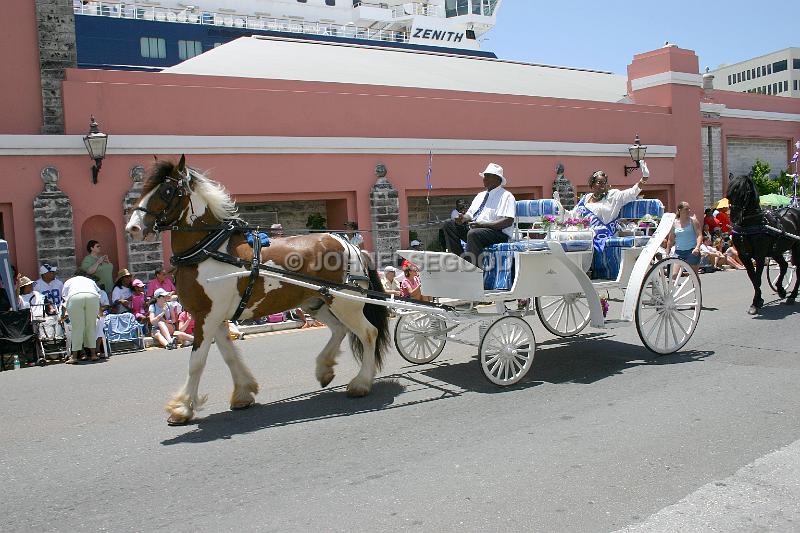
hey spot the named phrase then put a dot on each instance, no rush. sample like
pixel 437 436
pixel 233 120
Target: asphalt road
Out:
pixel 601 435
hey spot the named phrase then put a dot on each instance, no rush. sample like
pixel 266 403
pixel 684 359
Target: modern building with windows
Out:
pixel 777 73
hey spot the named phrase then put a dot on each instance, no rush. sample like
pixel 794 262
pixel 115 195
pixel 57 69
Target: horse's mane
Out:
pixel 214 194
pixel 742 194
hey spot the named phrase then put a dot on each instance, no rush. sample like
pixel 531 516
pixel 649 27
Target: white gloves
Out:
pixel 645 170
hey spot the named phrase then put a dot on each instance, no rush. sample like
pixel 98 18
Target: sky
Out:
pixel 605 34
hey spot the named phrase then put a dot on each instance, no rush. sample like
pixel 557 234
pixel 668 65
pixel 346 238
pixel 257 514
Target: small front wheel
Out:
pixel 420 337
pixel 668 307
pixel 506 350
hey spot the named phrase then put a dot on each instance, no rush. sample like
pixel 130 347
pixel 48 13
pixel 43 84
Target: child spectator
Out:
pixel 411 286
pixel 186 326
pixel 49 285
pixel 28 298
pixel 160 320
pixel 121 293
pixel 138 301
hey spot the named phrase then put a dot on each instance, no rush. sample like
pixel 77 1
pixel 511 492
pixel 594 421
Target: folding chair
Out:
pixel 122 334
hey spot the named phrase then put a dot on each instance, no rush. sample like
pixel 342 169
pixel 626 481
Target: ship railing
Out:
pixel 132 10
pixel 415 8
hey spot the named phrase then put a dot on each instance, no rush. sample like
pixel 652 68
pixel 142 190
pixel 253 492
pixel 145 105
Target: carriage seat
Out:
pixel 498 266
pixel 607 264
pixel 532 212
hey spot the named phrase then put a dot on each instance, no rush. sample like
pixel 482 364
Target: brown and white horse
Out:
pixel 184 200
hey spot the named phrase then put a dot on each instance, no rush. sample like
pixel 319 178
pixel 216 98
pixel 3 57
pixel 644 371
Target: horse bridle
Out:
pixel 170 189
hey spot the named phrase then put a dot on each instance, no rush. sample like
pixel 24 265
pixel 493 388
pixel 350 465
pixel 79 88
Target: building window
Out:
pixel 748 74
pixel 769 69
pixel 785 85
pixel 796 64
pixel 729 79
pixel 752 73
pixel 780 66
pixel 758 72
pixel 774 88
pixel 795 86
pixel 302 1
pixel 738 77
pixel 330 2
pixel 187 49
pixel 153 47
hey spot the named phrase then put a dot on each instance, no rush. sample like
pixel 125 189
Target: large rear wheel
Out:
pixel 668 307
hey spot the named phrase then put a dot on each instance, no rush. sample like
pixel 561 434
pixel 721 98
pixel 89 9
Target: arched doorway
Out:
pixel 101 229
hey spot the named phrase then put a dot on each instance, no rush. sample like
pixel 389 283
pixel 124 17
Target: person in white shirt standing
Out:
pixel 82 299
pixel 487 221
pixel 49 285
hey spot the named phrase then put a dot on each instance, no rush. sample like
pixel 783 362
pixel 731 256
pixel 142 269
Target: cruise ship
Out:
pixel 159 34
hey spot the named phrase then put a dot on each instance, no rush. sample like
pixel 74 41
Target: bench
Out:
pixel 498 265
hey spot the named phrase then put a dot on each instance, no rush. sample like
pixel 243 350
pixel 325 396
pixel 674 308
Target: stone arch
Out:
pixel 100 228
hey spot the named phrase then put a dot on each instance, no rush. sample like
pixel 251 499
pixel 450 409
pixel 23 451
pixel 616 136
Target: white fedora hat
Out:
pixel 497 170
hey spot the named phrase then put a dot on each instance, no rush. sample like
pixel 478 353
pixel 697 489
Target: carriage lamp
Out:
pixel 637 152
pixel 96 142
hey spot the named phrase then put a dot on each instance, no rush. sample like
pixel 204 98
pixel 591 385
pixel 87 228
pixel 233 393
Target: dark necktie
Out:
pixel 483 204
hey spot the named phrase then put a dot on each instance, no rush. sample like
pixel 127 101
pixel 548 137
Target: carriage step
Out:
pixel 614 323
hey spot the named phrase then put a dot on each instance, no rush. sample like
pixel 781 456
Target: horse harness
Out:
pixel 208 248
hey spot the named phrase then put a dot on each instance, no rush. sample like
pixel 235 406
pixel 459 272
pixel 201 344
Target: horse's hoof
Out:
pixel 753 310
pixel 325 380
pixel 357 391
pixel 176 420
pixel 790 301
pixel 241 406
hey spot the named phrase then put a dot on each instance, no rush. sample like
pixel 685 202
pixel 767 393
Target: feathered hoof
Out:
pixel 790 301
pixel 177 420
pixel 753 310
pixel 357 390
pixel 326 379
pixel 242 405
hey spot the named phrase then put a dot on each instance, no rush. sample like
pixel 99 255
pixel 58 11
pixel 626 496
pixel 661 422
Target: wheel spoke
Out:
pixel 551 304
pixel 560 305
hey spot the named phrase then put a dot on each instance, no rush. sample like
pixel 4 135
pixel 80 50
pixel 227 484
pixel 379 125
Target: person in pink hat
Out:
pixel 138 300
pixel 487 221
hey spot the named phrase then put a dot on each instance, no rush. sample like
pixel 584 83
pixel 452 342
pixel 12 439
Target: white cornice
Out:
pixel 665 78
pixel 724 111
pixel 176 144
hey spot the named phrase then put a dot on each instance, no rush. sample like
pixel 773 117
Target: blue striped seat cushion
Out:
pixel 498 264
pixel 537 208
pixel 641 207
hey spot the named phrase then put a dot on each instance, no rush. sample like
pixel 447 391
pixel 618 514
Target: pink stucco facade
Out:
pixel 137 106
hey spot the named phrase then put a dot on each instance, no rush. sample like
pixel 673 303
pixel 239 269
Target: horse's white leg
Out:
pixel 186 401
pixel 327 357
pixel 351 314
pixel 245 386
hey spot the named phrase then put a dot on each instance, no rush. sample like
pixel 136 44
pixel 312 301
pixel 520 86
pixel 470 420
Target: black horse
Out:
pixel 759 234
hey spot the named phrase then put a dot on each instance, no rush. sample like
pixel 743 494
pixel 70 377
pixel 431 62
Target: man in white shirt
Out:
pixel 487 221
pixel 48 285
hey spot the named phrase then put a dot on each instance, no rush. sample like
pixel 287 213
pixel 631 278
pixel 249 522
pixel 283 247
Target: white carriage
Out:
pixel 662 297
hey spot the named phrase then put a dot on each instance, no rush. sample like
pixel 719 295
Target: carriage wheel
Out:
pixel 506 350
pixel 668 307
pixel 420 337
pixel 565 315
pixel 773 270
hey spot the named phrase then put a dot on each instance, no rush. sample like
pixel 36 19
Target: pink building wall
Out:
pixel 20 83
pixel 146 104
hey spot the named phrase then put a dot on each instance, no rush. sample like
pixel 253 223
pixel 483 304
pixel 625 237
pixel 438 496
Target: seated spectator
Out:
pixel 389 281
pixel 461 208
pixel 276 231
pixel 186 326
pixel 733 258
pixel 162 280
pixel 411 287
pixel 416 245
pixel 28 298
pixel 161 321
pixel 49 285
pixel 355 238
pixel 138 301
pixel 710 258
pixel 121 293
pixel 724 220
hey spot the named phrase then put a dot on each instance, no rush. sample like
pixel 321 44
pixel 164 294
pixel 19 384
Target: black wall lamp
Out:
pixel 637 152
pixel 96 143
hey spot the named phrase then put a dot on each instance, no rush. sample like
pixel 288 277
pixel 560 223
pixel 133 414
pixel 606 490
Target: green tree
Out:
pixel 760 174
pixel 315 222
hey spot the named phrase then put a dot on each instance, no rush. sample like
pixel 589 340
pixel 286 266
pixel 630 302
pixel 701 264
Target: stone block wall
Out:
pixel 57 52
pixel 385 215
pixel 53 220
pixel 743 152
pixel 143 257
pixel 713 184
pixel 426 223
pixel 291 215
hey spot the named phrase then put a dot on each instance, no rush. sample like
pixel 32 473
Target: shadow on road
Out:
pixel 583 359
pixel 317 405
pixel 776 310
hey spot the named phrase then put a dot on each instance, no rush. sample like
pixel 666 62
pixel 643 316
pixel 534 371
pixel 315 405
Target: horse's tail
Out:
pixel 378 316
